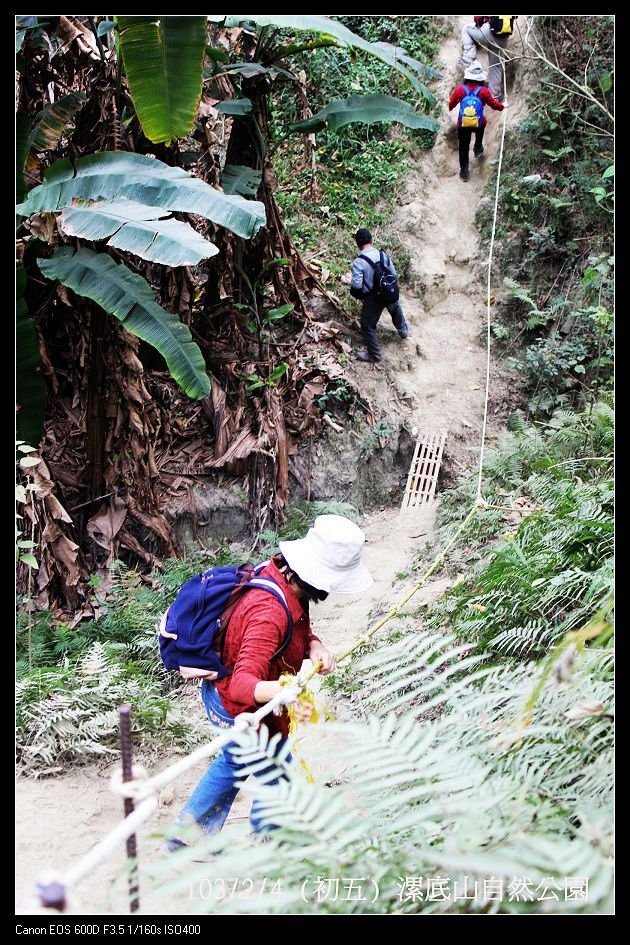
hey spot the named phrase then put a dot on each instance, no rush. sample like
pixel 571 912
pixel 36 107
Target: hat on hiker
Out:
pixel 475 71
pixel 329 557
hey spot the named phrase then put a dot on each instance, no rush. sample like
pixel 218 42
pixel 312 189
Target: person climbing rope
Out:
pixel 471 97
pixel 327 560
pixel 374 282
pixel 492 33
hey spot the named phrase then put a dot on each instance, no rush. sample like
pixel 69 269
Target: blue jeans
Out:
pixel 210 802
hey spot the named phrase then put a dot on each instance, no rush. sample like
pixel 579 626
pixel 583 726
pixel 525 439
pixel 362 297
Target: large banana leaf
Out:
pixel 129 297
pixel 30 393
pixel 235 106
pixel 343 37
pixel 238 179
pixel 113 174
pixel 53 119
pixel 163 58
pixel 414 64
pixel 366 109
pixel 146 231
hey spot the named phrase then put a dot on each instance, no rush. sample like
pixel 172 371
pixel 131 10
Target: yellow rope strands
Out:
pixel 306 698
pixel 144 790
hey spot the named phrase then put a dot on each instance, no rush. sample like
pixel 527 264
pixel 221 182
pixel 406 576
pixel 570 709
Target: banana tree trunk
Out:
pixel 95 413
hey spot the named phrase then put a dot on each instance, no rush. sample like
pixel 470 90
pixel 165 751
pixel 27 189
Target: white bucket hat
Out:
pixel 329 557
pixel 475 71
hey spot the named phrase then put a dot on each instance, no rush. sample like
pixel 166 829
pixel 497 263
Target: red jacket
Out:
pixel 256 630
pixel 484 94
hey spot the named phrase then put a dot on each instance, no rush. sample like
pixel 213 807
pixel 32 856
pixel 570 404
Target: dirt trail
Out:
pixel 59 819
pixel 438 374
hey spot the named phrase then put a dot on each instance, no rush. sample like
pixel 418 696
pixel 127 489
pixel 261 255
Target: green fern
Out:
pixel 550 573
pixel 473 790
pixel 69 714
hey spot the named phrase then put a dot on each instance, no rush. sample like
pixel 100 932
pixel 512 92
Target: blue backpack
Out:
pixel 192 629
pixel 471 109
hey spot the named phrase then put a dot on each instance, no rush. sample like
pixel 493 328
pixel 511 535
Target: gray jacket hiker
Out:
pixel 481 35
pixel 361 288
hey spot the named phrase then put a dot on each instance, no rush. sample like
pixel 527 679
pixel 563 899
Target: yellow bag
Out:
pixel 501 25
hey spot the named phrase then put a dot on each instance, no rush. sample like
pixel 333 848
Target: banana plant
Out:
pixel 334 33
pixel 149 232
pixel 366 109
pixel 109 175
pixel 129 298
pixel 163 59
pixel 127 200
pixel 52 121
pixel 258 321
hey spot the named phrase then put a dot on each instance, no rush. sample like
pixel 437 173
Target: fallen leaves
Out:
pixel 57 552
pixel 70 30
pixel 104 525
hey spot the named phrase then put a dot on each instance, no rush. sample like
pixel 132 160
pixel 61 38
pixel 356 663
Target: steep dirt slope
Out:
pixel 439 374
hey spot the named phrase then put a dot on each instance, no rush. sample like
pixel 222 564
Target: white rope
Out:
pixel 140 789
pixel 479 498
pixel 110 844
pixel 144 790
pixel 129 788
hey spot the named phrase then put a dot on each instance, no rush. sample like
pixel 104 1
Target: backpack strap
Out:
pixel 367 259
pixel 250 579
pixel 269 585
pixel 382 254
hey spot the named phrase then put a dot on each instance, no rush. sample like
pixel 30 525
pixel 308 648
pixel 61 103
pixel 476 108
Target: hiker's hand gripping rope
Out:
pixel 325 659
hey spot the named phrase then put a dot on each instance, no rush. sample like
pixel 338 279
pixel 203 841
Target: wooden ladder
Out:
pixel 424 470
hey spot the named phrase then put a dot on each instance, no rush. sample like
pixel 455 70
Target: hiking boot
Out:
pixel 172 845
pixel 364 356
pixel 478 151
pixel 464 174
pixel 404 332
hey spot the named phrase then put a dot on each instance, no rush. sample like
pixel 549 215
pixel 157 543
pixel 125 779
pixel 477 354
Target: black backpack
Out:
pixel 501 25
pixel 385 287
